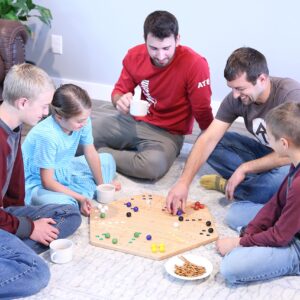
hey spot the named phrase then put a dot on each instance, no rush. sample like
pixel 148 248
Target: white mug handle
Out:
pixel 53 257
pixel 58 260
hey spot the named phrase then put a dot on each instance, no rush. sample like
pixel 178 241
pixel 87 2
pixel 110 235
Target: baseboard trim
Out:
pixel 97 91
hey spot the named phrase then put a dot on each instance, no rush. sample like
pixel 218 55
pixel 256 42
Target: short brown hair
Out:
pixel 284 121
pixel 161 24
pixel 25 81
pixel 246 60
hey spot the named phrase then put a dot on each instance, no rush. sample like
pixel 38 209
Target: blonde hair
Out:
pixel 284 121
pixel 25 81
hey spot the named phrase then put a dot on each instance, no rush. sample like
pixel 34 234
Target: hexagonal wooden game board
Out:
pixel 140 225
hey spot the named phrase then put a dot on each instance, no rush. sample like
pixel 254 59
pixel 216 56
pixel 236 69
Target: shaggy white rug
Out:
pixel 97 273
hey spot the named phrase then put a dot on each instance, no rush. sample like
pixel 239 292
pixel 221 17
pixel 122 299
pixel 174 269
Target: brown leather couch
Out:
pixel 13 37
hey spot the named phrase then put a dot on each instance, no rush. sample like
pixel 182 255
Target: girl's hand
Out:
pixel 85 207
pixel 117 185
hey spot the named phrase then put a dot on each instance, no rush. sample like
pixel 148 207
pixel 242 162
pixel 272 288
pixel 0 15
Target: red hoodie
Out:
pixel 277 223
pixel 12 183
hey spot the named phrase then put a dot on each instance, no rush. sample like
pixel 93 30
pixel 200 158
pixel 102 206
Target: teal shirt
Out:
pixel 47 146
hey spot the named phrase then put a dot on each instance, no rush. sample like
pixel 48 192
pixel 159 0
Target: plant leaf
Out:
pixel 45 16
pixel 30 5
pixel 20 10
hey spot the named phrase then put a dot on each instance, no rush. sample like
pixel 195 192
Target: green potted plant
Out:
pixel 22 10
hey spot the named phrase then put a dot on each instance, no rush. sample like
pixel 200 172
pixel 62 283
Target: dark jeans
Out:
pixel 235 149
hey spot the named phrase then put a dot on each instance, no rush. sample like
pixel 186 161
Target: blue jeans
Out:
pixel 241 213
pixel 22 271
pixel 248 264
pixel 235 149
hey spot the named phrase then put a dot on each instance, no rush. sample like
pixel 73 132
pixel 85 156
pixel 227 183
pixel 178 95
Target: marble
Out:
pixel 97 273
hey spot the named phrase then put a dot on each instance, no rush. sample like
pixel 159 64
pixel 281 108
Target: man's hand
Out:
pixel 85 207
pixel 176 198
pixel 226 245
pixel 236 178
pixel 123 103
pixel 44 232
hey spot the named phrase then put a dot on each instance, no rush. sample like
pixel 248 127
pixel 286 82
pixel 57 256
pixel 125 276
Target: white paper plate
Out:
pixel 195 259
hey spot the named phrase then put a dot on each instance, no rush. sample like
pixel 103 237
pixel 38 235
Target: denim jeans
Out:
pixel 22 271
pixel 241 213
pixel 235 149
pixel 249 264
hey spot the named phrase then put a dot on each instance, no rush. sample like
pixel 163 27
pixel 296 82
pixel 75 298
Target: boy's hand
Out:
pixel 226 245
pixel 117 185
pixel 44 232
pixel 85 207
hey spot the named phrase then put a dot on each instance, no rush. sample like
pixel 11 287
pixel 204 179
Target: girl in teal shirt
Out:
pixel 52 172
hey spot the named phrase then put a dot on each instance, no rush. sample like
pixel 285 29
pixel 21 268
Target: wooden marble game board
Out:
pixel 169 236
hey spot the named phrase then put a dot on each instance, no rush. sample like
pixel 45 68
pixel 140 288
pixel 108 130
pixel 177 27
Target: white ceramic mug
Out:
pixel 61 251
pixel 139 108
pixel 106 193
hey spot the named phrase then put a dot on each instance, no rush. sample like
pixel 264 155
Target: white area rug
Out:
pixel 97 273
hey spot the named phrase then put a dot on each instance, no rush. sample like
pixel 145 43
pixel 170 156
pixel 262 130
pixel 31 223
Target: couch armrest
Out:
pixel 2 72
pixel 13 36
pixel 2 75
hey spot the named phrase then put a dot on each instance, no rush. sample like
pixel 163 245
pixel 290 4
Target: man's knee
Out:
pixel 228 138
pixel 234 140
pixel 101 128
pixel 156 167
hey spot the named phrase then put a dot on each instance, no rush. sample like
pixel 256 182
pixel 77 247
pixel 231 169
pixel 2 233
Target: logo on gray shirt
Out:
pixel 259 129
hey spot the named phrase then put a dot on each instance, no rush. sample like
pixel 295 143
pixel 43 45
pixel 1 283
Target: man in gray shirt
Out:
pixel 249 169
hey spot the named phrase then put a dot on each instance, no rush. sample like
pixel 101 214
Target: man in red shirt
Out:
pixel 175 81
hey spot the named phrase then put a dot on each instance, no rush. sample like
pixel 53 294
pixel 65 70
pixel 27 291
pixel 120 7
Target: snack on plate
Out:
pixel 189 269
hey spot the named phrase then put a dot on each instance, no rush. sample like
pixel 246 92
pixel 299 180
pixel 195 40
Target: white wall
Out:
pixel 97 34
